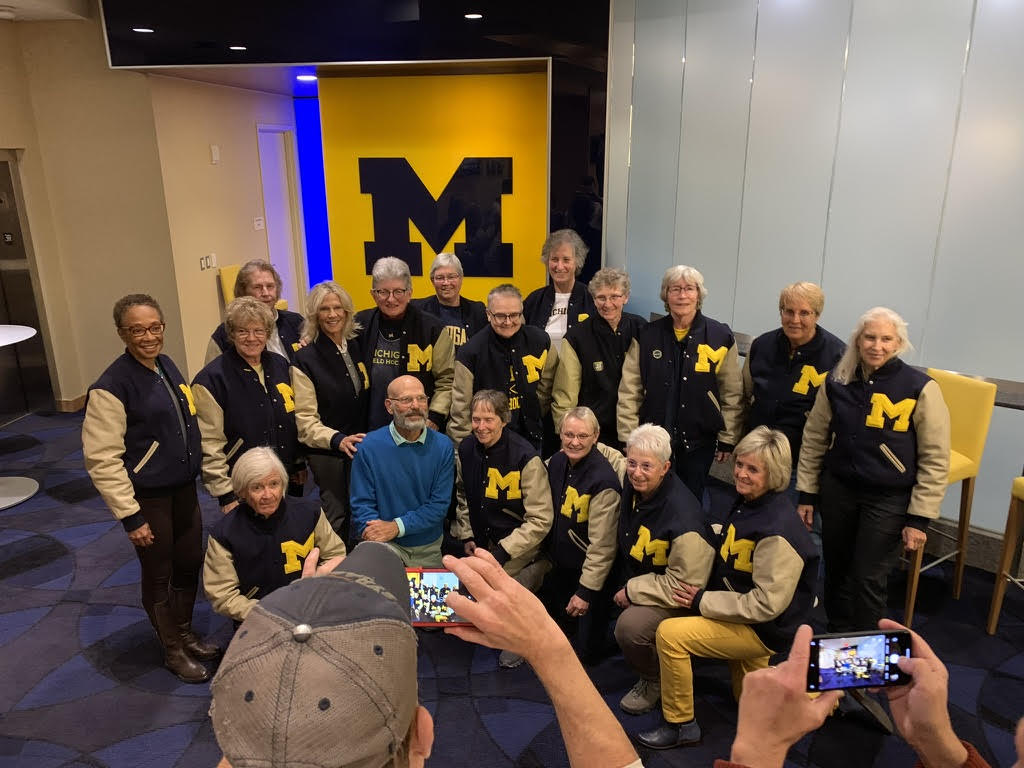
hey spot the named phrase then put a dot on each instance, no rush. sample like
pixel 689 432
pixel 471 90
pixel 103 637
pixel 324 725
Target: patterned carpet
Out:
pixel 81 681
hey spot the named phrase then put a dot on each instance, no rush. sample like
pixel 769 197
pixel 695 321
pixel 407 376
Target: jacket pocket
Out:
pixel 728 586
pixel 576 539
pixel 714 401
pixel 887 452
pixel 146 458
pixel 234 449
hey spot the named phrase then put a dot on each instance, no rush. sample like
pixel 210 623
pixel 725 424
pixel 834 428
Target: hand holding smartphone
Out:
pixel 428 588
pixel 857 660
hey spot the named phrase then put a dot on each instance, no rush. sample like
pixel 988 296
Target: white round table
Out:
pixel 14 490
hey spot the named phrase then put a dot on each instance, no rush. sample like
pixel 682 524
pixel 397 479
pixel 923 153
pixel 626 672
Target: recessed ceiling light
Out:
pixel 306 78
pixel 236 47
pixel 145 30
pixel 474 16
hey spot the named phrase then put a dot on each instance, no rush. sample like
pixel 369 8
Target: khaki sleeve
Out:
pixel 462 396
pixel 536 490
pixel 212 352
pixel 103 431
pixel 616 459
pixel 566 389
pixel 931 422
pixel 689 562
pixel 815 441
pixel 776 574
pixel 631 393
pixel 443 366
pixel 220 580
pixel 461 529
pixel 216 451
pixel 547 379
pixel 312 431
pixel 603 524
pixel 730 395
pixel 325 537
pixel 747 399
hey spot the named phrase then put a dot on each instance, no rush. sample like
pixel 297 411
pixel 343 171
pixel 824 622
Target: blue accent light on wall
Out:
pixel 314 192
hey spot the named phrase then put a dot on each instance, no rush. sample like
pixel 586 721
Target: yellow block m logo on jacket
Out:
pixel 293 551
pixel 288 395
pixel 499 482
pixel 743 549
pixel 420 359
pixel 578 503
pixel 809 377
pixel 534 365
pixel 882 408
pixel 706 355
pixel 645 545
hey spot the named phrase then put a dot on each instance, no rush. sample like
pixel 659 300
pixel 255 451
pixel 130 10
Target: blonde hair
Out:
pixel 848 363
pixel 585 415
pixel 311 325
pixel 803 291
pixel 609 276
pixel 772 447
pixel 246 309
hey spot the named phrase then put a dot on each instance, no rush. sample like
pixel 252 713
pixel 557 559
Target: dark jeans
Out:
pixel 588 633
pixel 176 553
pixel 693 466
pixel 861 535
pixel 332 474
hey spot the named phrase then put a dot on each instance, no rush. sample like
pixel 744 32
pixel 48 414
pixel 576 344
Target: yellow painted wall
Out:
pixel 434 122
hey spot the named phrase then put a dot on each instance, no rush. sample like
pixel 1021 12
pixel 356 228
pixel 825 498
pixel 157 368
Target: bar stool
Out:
pixel 1011 544
pixel 970 404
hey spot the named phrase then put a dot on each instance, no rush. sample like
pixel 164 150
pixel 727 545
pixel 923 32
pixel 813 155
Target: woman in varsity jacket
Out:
pixel 875 459
pixel 564 301
pixel 261 544
pixel 683 373
pixel 331 389
pixel 140 439
pixel 760 590
pixel 244 399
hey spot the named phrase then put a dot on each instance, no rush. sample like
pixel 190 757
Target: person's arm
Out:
pixel 462 395
pixel 730 396
pixel 103 431
pixel 615 458
pixel 213 351
pixel 216 452
pixel 747 398
pixel 602 526
pixel 429 515
pixel 631 393
pixel 931 423
pixel 566 389
pixel 538 517
pixel 312 431
pixel 506 615
pixel 443 368
pixel 363 494
pixel 689 562
pixel 220 580
pixel 462 529
pixel 547 379
pixel 812 447
pixel 776 569
pixel 327 540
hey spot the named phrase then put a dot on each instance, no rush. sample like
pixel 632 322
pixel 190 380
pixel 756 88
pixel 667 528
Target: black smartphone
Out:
pixel 857 660
pixel 428 587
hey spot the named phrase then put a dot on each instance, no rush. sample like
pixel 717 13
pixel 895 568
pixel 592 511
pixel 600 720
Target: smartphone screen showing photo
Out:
pixel 428 589
pixel 857 660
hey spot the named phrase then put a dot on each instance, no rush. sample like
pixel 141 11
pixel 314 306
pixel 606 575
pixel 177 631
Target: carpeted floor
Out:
pixel 81 681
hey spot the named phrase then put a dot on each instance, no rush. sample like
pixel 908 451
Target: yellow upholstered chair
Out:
pixel 1011 544
pixel 970 402
pixel 227 276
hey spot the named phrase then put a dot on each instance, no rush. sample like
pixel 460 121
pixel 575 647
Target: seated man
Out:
pixel 402 479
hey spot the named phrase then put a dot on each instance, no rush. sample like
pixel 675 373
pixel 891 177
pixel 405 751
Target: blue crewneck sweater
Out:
pixel 412 481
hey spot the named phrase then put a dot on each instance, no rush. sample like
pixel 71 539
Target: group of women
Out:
pixel 639 412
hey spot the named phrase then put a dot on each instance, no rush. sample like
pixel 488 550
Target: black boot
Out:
pixel 182 602
pixel 176 658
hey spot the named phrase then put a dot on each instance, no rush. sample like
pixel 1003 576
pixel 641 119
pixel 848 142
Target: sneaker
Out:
pixel 642 697
pixel 509 660
pixel 669 735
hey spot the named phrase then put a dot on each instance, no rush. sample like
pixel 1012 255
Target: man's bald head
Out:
pixel 405 386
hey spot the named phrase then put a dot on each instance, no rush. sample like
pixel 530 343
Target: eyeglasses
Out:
pixel 506 317
pixel 383 293
pixel 581 436
pixel 446 278
pixel 409 400
pixel 603 299
pixel 256 333
pixel 138 331
pixel 803 314
pixel 644 466
pixel 676 290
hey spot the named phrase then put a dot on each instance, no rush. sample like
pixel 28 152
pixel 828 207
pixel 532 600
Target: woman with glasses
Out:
pixel 461 317
pixel 683 373
pixel 399 339
pixel 662 545
pixel 564 301
pixel 591 357
pixel 244 399
pixel 142 450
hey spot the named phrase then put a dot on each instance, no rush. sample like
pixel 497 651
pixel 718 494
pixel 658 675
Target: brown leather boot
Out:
pixel 176 658
pixel 182 602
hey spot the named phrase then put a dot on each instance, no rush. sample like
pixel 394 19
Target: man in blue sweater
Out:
pixel 402 479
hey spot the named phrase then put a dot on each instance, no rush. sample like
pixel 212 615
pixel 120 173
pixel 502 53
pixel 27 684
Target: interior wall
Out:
pixel 211 207
pixel 872 147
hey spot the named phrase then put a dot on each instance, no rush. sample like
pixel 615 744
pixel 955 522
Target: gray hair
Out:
pixel 311 325
pixel 253 465
pixel 505 289
pixel 772 448
pixel 449 260
pixel 650 440
pixel 851 357
pixel 609 276
pixel 803 291
pixel 390 268
pixel 249 270
pixel 681 273
pixel 125 303
pixel 245 310
pixel 496 401
pixel 565 237
pixel 585 415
